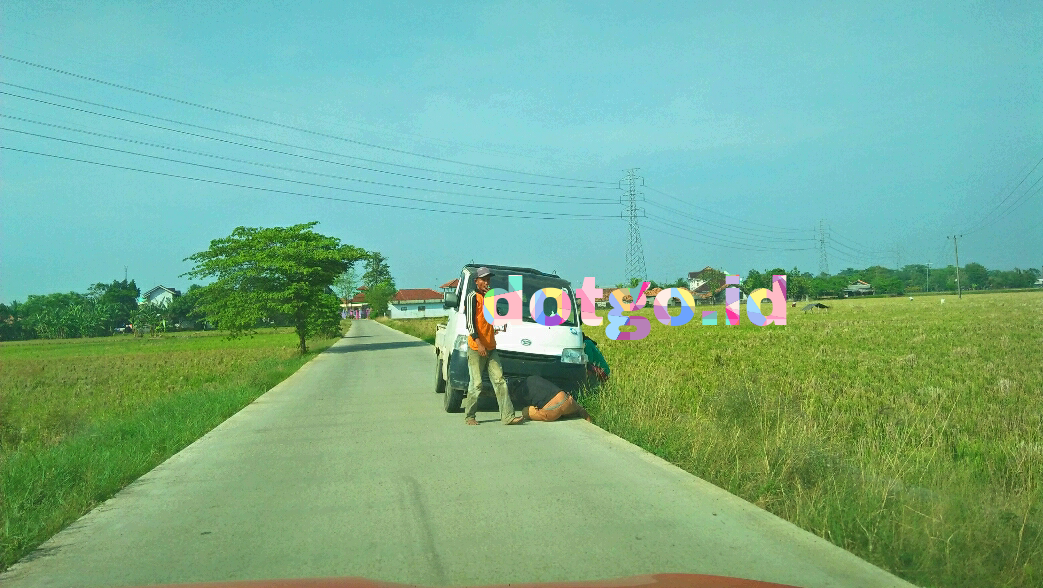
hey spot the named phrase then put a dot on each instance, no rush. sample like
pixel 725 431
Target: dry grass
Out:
pixel 908 432
pixel 421 328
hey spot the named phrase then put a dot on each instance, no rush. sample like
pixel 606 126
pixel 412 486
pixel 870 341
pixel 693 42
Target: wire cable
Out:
pixel 285 126
pixel 306 195
pixel 276 151
pixel 262 176
pixel 736 230
pixel 290 169
pixel 724 215
pixel 732 245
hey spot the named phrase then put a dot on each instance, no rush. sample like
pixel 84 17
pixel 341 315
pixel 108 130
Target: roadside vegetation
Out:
pixel 422 328
pixel 82 418
pixel 907 432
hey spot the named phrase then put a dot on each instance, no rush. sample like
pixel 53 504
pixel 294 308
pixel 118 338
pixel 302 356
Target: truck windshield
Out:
pixel 530 285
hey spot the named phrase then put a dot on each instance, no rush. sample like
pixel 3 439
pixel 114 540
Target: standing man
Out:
pixel 482 354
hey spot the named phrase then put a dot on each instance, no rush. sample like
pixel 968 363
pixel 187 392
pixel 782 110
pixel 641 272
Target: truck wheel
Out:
pixel 439 380
pixel 453 398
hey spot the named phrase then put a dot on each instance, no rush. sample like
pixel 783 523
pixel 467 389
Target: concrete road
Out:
pixel 350 467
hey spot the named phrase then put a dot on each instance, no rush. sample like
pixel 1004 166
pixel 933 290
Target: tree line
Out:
pixel 909 279
pixel 278 276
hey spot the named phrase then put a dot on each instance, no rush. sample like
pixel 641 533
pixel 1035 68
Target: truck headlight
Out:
pixel 573 356
pixel 461 343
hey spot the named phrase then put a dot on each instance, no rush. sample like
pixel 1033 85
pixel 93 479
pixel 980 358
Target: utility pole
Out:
pixel 823 260
pixel 957 248
pixel 928 276
pixel 124 273
pixel 635 250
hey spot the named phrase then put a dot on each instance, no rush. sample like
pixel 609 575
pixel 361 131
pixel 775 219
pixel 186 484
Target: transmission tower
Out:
pixel 823 260
pixel 635 251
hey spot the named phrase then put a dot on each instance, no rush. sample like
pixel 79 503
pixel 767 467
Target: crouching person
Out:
pixel 546 401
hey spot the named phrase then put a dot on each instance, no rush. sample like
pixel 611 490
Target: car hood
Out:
pixel 649 581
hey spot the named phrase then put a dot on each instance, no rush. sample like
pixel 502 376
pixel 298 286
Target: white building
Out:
pixel 417 303
pixel 160 295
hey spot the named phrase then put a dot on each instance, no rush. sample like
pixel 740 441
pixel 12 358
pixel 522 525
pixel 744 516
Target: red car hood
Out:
pixel 653 581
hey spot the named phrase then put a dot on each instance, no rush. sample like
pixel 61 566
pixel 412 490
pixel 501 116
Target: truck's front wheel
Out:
pixel 439 380
pixel 453 398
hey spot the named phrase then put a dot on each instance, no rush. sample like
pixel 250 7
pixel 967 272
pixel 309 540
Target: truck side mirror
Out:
pixel 451 300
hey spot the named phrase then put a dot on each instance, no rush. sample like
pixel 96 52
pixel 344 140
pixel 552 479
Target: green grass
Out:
pixel 82 418
pixel 421 328
pixel 907 432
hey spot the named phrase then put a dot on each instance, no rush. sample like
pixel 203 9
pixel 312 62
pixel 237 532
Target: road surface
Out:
pixel 351 467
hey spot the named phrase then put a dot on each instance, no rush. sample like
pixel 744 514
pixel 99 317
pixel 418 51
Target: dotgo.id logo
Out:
pixel 642 326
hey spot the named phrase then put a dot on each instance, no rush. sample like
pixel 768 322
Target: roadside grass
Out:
pixel 421 328
pixel 907 432
pixel 82 418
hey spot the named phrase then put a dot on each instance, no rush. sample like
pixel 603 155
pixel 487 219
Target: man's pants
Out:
pixel 476 364
pixel 562 405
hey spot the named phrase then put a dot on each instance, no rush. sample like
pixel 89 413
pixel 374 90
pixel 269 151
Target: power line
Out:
pixel 713 234
pixel 1013 206
pixel 272 142
pixel 719 243
pixel 979 225
pixel 725 215
pixel 288 192
pixel 279 167
pixel 281 125
pixel 730 227
pixel 188 81
pixel 297 155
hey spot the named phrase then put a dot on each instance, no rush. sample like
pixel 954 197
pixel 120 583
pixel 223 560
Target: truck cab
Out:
pixel 525 349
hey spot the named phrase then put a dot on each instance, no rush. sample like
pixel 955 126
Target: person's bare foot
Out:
pixel 471 421
pixel 516 421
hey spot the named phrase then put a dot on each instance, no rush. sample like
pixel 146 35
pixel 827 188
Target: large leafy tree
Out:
pixel 274 271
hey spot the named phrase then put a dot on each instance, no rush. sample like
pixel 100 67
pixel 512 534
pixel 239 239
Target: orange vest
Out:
pixel 485 330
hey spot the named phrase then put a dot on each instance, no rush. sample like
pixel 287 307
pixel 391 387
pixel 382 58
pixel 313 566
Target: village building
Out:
pixel 858 288
pixel 417 303
pixel 160 295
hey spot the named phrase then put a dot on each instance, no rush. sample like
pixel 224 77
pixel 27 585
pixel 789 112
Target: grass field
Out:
pixel 82 418
pixel 907 432
pixel 423 328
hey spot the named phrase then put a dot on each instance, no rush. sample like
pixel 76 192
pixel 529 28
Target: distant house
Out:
pixel 1039 283
pixel 417 303
pixel 357 307
pixel 160 295
pixel 858 288
pixel 697 279
pixel 449 287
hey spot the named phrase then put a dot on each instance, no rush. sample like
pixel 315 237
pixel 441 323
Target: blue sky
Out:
pixel 894 125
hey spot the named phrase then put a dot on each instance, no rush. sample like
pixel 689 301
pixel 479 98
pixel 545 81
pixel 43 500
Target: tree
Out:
pixel 346 285
pixel 380 286
pixel 377 270
pixel 753 280
pixel 120 298
pixel 976 275
pixel 267 271
pixel 379 297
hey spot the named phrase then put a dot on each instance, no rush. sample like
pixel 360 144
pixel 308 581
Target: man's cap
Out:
pixel 483 272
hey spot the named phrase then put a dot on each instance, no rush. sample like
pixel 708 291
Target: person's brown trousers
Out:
pixel 561 405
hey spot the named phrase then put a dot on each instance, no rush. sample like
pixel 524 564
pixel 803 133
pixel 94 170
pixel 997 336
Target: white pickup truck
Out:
pixel 526 349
